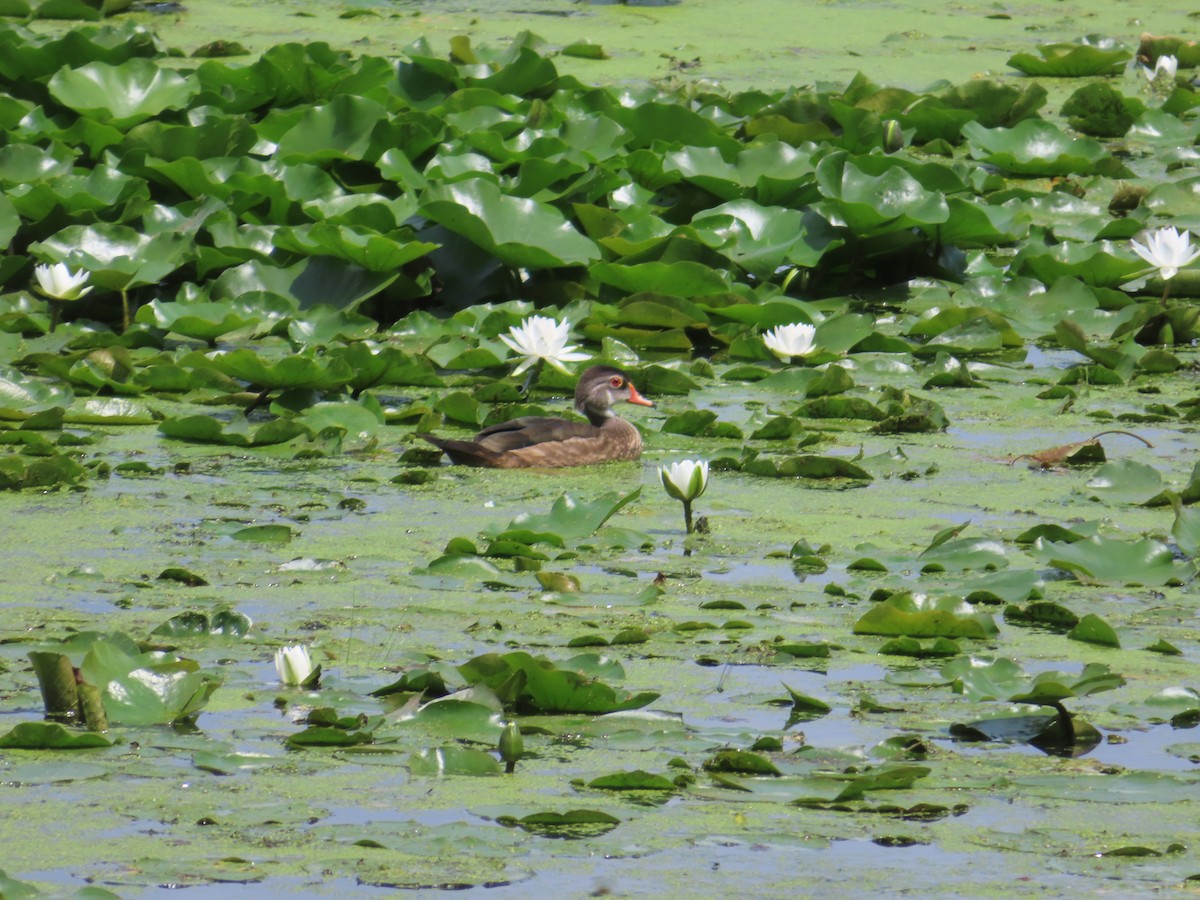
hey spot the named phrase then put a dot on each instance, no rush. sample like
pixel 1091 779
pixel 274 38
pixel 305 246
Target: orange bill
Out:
pixel 635 397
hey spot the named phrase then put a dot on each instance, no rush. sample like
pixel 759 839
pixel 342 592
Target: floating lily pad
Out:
pixel 50 736
pixel 538 686
pixel 223 623
pixel 741 762
pixel 569 520
pixel 632 781
pixel 519 231
pixel 924 616
pixel 1037 147
pixel 1072 60
pixel 578 823
pixel 1112 561
pixel 453 760
pixel 237 432
pixel 123 94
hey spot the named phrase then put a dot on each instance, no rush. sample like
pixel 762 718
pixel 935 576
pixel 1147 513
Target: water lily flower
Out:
pixel 59 283
pixel 1166 66
pixel 786 341
pixel 685 481
pixel 1167 250
pixel 293 663
pixel 511 746
pixel 541 339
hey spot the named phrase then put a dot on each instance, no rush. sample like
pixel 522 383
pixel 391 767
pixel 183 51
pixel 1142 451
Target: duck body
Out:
pixel 548 442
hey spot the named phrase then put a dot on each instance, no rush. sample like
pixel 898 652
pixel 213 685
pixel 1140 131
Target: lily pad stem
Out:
pixel 534 371
pixel 257 402
pixel 124 310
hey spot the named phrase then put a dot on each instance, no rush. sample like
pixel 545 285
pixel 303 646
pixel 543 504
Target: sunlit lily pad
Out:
pixel 1112 561
pixel 518 231
pixel 290 372
pixel 569 520
pixel 223 623
pixel 632 781
pixel 1072 60
pixel 1037 147
pixel 538 686
pixel 50 736
pixel 1125 480
pixel 124 94
pixel 237 432
pixel 453 760
pixel 146 688
pixel 577 823
pixel 924 616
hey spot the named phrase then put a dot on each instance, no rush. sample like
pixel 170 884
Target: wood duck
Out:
pixel 545 442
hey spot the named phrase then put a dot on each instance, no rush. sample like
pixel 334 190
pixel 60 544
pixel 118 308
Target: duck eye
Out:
pixel 616 381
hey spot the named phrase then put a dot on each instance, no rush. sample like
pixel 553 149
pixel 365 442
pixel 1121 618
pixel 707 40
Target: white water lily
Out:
pixel 293 663
pixel 685 481
pixel 786 341
pixel 1166 66
pixel 542 339
pixel 1167 250
pixel 59 283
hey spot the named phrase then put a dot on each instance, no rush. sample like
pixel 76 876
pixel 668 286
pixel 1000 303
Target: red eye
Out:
pixel 616 381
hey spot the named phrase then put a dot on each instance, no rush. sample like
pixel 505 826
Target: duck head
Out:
pixel 600 387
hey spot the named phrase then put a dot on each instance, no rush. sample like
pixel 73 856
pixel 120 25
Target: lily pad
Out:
pixel 50 736
pixel 1072 60
pixel 924 616
pixel 1037 147
pixel 1112 561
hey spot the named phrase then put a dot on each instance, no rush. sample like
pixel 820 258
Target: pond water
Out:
pixel 230 808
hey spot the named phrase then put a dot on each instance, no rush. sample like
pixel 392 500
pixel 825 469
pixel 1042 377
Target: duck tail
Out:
pixel 464 453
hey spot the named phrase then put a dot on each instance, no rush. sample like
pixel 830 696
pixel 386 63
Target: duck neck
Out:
pixel 599 417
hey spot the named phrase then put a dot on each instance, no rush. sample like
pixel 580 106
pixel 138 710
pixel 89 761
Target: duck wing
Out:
pixel 528 431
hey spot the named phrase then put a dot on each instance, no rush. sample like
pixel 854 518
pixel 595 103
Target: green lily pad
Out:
pixel 453 760
pixel 1072 60
pixel 518 231
pixel 865 200
pixel 264 534
pixel 888 778
pixel 741 762
pixel 223 623
pixel 1092 629
pixel 1112 561
pixel 569 520
pixel 146 688
pixel 633 781
pixel 325 736
pixel 924 616
pixel 1037 147
pixel 237 432
pixel 532 685
pixel 299 371
pixel 907 646
pixel 805 708
pixel 124 94
pixel 816 467
pixel 1098 109
pixel 1043 614
pixel 1125 481
pixel 579 823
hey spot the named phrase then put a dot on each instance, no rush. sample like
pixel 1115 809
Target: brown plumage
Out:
pixel 542 441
